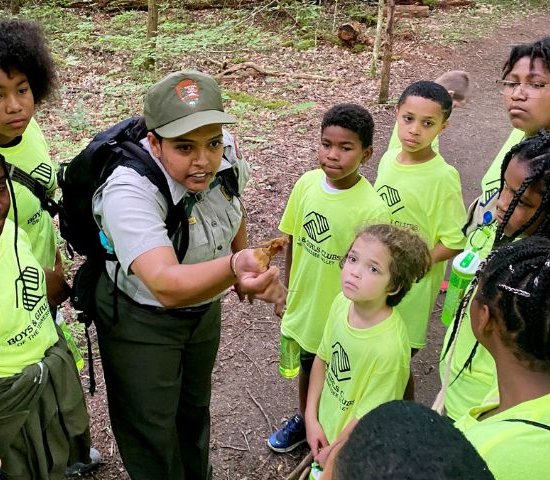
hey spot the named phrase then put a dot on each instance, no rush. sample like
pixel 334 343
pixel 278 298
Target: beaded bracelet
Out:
pixel 233 262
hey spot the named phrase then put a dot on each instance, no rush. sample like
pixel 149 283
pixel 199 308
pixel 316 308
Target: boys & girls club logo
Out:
pixel 317 227
pixel 27 287
pixel 339 363
pixel 188 91
pixel 392 198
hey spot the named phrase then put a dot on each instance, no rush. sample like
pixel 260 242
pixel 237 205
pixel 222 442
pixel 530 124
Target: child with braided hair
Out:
pixel 467 370
pixel 510 317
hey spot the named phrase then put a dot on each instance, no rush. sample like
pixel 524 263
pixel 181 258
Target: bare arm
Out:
pixel 440 253
pixel 176 285
pixel 315 435
pixel 288 261
pixel 322 457
pixel 240 242
pixel 57 288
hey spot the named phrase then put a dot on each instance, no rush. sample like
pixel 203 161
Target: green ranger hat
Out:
pixel 184 101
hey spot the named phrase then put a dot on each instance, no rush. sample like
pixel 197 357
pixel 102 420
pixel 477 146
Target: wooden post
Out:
pixel 377 38
pixel 386 58
pixel 15 6
pixel 152 30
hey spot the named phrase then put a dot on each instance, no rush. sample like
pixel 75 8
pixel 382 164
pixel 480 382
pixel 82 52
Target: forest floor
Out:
pixel 279 135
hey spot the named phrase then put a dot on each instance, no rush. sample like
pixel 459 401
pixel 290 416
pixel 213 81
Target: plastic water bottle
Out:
pixel 73 347
pixel 289 357
pixel 316 472
pixel 463 271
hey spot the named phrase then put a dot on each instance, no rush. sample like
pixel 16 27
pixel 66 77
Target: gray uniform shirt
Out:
pixel 131 212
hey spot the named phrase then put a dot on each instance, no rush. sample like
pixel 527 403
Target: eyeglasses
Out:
pixel 532 90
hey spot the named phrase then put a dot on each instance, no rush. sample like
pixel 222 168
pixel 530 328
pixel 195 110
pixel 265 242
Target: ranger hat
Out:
pixel 184 101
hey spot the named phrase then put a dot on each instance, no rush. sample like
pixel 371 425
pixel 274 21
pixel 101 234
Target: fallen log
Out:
pixel 444 4
pixel 412 11
pixel 270 73
pixel 352 33
pixel 121 5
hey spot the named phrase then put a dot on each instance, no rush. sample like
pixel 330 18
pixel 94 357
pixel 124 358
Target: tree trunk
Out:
pixel 386 59
pixel 152 30
pixel 377 38
pixel 15 6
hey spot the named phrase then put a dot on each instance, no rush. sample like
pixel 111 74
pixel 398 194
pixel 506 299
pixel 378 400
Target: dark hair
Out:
pixel 351 117
pixel 23 48
pixel 534 153
pixel 406 440
pixel 514 285
pixel 430 91
pixel 410 257
pixel 539 49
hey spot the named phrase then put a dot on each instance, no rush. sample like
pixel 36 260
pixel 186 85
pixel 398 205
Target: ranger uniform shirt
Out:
pixel 131 212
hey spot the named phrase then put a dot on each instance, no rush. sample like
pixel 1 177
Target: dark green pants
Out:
pixel 157 367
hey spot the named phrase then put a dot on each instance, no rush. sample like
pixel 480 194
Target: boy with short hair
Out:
pixel 457 83
pixel 398 440
pixel 325 209
pixel 424 193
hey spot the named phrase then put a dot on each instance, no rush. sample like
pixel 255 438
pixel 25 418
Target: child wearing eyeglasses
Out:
pixel 525 88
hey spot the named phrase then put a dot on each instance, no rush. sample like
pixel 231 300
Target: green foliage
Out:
pixel 78 120
pixel 305 44
pixel 363 13
pixel 518 4
pixel 430 3
pixel 358 48
pixel 302 107
pixel 248 101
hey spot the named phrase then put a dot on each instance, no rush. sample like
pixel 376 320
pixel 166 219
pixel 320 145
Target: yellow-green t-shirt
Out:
pixel 490 184
pixel 323 226
pixel 27 329
pixel 31 156
pixel 512 450
pixel 395 143
pixel 473 384
pixel 426 197
pixel 365 367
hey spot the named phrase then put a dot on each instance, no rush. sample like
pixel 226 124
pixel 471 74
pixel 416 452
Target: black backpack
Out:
pixel 78 180
pixel 81 177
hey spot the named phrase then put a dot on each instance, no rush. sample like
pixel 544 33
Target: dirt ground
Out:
pixel 250 400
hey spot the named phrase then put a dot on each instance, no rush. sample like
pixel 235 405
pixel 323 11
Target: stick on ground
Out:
pixel 258 404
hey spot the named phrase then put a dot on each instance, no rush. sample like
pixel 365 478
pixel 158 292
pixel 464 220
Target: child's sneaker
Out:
pixel 288 437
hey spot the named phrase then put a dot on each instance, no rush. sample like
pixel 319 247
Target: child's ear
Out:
pixel 484 323
pixel 444 125
pixel 367 154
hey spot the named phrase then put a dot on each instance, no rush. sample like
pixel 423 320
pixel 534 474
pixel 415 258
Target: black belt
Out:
pixel 199 309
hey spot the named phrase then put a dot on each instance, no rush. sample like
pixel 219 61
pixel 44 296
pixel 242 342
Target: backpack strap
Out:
pixel 139 160
pixel 529 422
pixel 36 188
